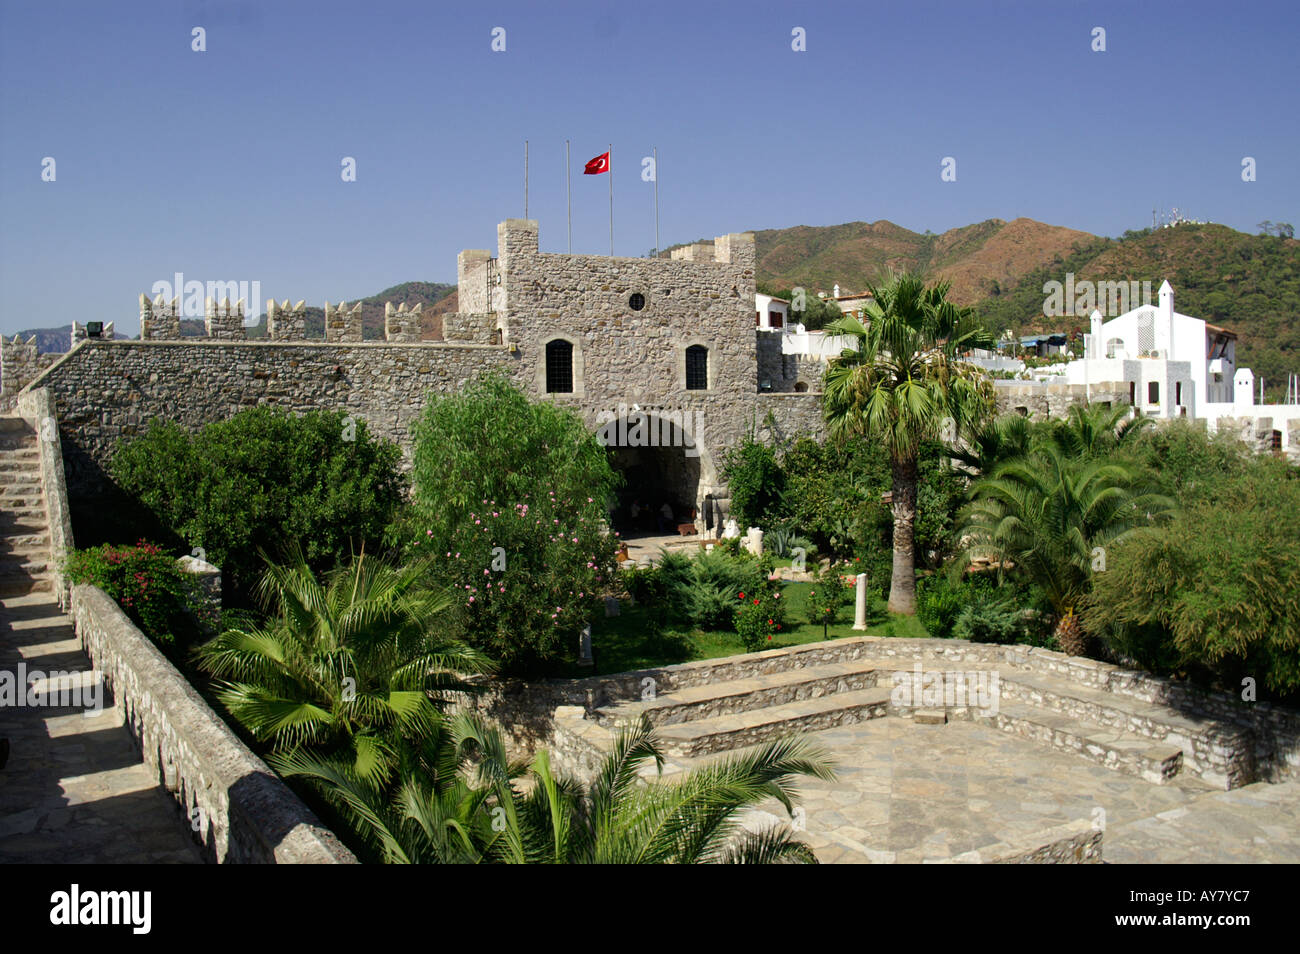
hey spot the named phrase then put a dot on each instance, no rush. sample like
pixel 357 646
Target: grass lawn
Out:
pixel 628 641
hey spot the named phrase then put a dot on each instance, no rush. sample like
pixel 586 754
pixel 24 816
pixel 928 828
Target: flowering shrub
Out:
pixel 759 616
pixel 510 498
pixel 528 576
pixel 152 590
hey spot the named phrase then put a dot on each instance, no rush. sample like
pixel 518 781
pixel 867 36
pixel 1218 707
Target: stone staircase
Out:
pixel 726 704
pixel 736 712
pixel 25 558
pixel 74 787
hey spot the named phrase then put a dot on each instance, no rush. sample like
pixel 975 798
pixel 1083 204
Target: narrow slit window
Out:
pixel 559 367
pixel 697 368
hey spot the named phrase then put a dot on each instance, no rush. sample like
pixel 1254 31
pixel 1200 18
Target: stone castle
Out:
pixel 630 340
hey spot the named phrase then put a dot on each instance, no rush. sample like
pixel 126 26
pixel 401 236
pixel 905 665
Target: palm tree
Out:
pixel 355 667
pixel 1002 439
pixel 480 809
pixel 1049 512
pixel 905 384
pixel 440 807
pixel 1095 430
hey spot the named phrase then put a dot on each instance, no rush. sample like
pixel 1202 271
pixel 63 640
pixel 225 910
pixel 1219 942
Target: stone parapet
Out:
pixel 243 812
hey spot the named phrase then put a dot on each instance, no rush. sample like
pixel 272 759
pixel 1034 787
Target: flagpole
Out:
pixel 525 178
pixel 568 192
pixel 611 200
pixel 656 154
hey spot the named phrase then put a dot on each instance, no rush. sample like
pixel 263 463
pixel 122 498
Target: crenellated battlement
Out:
pixel 159 319
pixel 224 321
pixel 20 363
pixel 285 322
pixel 401 324
pixel 342 324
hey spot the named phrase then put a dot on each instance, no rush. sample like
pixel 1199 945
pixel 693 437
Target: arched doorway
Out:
pixel 662 463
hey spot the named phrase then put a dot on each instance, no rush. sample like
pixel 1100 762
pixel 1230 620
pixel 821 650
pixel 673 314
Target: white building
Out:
pixel 1175 366
pixel 771 313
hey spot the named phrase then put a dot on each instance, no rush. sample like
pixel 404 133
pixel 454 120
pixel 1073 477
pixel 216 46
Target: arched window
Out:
pixel 697 368
pixel 559 367
pixel 1114 347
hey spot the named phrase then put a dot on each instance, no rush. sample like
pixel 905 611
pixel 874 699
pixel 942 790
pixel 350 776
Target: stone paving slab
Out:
pixel 926 793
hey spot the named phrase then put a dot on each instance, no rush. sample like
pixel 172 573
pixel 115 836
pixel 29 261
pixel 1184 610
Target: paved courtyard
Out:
pixel 908 792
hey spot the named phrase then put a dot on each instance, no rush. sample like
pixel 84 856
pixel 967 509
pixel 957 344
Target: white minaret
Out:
pixel 1166 299
pixel 1094 337
pixel 835 292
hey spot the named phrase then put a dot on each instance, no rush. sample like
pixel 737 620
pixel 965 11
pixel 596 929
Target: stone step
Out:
pixel 21 514
pixel 1217 751
pixel 13 542
pixel 1156 762
pixel 21 568
pixel 742 729
pixel 744 695
pixel 20 484
pixel 16 440
pixel 25 553
pixel 20 455
pixel 10 423
pixel 20 502
pixel 630 686
pixel 24 586
pixel 24 465
pixel 11 527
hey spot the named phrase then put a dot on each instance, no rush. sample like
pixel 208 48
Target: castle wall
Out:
pixel 109 390
pixel 20 363
pixel 510 308
pixel 629 355
pixel 1055 400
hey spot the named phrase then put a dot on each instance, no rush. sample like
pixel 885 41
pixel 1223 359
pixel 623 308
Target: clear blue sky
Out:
pixel 225 165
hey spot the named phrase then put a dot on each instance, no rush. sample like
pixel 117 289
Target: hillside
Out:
pixel 1249 284
pixel 978 259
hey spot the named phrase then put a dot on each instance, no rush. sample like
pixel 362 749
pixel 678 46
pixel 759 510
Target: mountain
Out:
pixel 1249 284
pixel 977 259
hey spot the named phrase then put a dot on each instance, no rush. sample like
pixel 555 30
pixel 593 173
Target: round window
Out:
pixel 637 301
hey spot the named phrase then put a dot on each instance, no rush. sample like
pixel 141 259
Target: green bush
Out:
pixel 990 620
pixel 759 616
pixel 159 597
pixel 510 499
pixel 1216 592
pixel 938 602
pixel 827 597
pixel 262 480
pixel 756 481
pixel 707 597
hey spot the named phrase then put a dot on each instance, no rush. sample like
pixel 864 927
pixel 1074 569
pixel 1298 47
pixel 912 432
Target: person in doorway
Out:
pixel 666 518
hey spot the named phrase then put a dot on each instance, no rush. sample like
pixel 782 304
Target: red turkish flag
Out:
pixel 598 165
